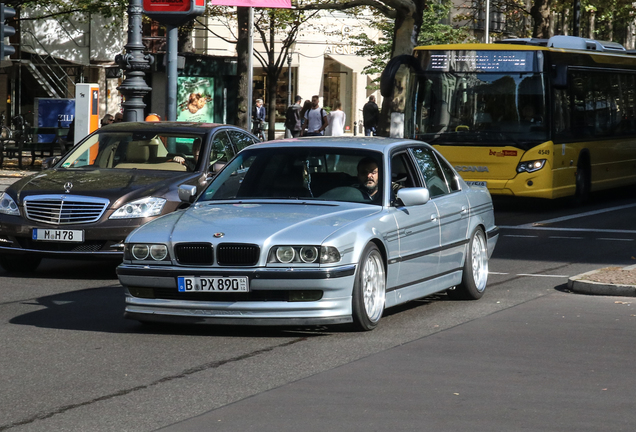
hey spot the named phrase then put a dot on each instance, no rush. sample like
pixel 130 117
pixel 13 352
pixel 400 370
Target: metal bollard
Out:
pixel 355 128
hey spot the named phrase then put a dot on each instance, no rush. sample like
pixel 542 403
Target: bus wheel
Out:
pixel 583 183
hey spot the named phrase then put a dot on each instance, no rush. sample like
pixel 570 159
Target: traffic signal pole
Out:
pixel 6 31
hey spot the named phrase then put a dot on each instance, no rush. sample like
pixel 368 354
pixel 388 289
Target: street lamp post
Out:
pixel 134 64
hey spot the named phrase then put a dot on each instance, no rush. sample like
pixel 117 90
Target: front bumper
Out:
pixel 263 306
pixel 102 240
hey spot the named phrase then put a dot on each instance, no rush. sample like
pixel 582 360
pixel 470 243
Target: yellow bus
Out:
pixel 534 118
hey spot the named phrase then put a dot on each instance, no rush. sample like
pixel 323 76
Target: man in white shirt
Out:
pixel 315 119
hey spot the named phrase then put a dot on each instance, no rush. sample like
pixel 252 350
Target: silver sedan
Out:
pixel 313 231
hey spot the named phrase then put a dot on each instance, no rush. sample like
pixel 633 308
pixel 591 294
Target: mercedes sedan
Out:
pixel 313 231
pixel 113 181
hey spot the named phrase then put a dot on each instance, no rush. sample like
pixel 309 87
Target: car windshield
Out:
pixel 476 108
pixel 136 150
pixel 301 173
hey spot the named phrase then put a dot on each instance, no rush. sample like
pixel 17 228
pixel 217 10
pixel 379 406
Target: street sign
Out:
pixel 173 12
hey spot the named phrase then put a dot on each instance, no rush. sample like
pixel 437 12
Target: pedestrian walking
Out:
pixel 315 119
pixel 107 119
pixel 293 120
pixel 370 115
pixel 337 119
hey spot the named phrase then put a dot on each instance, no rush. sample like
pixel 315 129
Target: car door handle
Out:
pixel 464 209
pixel 433 217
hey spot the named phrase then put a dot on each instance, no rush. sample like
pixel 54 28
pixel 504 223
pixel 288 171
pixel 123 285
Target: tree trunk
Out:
pixel 540 13
pixel 242 119
pixel 592 24
pixel 407 28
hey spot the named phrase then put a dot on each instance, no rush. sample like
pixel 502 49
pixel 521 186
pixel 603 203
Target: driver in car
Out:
pixel 369 176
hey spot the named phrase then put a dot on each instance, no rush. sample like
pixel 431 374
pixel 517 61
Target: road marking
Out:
pixel 497 273
pixel 580 215
pixel 614 239
pixel 592 230
pixel 566 237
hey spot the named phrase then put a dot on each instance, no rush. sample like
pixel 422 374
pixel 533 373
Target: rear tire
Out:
pixel 475 273
pixel 20 264
pixel 369 290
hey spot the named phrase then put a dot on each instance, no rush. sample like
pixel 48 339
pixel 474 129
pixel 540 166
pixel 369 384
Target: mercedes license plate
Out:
pixel 58 235
pixel 213 284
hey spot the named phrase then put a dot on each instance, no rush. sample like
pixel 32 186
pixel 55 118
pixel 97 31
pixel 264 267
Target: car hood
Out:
pixel 105 183
pixel 258 223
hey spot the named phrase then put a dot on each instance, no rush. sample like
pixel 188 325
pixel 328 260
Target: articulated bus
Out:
pixel 549 120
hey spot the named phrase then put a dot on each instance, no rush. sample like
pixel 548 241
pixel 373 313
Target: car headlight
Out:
pixel 145 207
pixel 303 254
pixel 8 205
pixel 156 253
pixel 530 166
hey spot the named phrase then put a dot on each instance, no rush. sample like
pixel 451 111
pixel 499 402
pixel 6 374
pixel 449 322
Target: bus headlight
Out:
pixel 530 166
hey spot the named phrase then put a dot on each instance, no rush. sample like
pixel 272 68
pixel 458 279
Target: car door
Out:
pixel 418 227
pixel 452 206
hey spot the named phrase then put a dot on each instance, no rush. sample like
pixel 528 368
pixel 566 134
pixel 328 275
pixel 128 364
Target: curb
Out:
pixel 581 285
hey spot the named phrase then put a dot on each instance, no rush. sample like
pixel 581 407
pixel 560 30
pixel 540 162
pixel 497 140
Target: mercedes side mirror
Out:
pixel 187 193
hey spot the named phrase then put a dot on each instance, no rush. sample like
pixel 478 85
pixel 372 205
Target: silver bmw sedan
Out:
pixel 313 231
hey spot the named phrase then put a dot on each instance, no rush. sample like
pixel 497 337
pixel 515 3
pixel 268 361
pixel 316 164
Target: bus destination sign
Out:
pixel 481 61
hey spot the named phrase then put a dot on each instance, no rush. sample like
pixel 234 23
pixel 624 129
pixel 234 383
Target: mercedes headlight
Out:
pixel 8 205
pixel 141 208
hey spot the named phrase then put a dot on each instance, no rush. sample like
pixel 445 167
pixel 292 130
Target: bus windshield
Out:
pixel 480 108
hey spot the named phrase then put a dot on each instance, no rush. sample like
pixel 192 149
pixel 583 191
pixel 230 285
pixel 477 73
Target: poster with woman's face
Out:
pixel 194 99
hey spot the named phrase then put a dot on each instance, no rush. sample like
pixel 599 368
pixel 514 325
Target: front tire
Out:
pixel 583 183
pixel 475 273
pixel 369 289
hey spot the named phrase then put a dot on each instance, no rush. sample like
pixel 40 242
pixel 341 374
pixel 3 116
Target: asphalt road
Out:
pixel 528 355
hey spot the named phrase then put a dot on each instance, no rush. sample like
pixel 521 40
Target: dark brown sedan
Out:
pixel 112 182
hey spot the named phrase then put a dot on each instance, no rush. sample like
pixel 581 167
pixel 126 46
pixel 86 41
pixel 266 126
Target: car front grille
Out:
pixel 236 254
pixel 252 296
pixel 64 209
pixel 194 253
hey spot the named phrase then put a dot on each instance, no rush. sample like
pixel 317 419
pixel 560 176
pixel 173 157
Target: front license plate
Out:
pixel 58 235
pixel 477 183
pixel 216 284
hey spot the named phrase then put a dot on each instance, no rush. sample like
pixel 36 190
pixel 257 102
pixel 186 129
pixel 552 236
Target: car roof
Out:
pixel 362 142
pixel 159 126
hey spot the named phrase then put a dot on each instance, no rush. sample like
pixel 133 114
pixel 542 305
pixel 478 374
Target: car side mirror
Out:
pixel 187 193
pixel 49 162
pixel 413 196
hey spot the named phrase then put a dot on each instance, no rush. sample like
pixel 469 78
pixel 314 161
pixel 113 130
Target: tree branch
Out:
pixel 382 7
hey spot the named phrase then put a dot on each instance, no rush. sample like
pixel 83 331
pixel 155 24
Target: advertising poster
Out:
pixel 53 113
pixel 194 99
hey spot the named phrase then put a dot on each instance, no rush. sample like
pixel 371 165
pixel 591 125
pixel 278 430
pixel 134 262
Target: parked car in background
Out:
pixel 110 183
pixel 313 231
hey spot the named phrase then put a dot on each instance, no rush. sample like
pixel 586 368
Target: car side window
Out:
pixel 402 174
pixel 452 179
pixel 431 171
pixel 221 151
pixel 240 139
